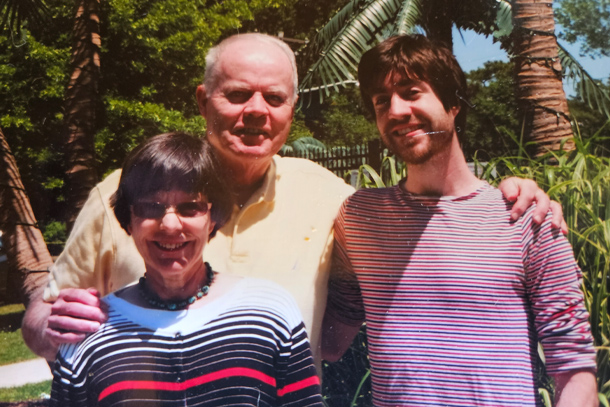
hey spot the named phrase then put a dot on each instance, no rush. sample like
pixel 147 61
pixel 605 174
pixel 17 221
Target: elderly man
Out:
pixel 456 296
pixel 281 227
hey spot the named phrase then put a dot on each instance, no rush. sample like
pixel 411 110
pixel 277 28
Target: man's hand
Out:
pixel 75 313
pixel 524 192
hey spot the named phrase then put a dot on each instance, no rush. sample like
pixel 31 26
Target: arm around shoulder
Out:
pixel 34 325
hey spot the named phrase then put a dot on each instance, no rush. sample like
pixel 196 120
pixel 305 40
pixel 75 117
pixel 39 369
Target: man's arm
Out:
pixel 524 192
pixel 56 316
pixel 576 389
pixel 74 314
pixel 336 337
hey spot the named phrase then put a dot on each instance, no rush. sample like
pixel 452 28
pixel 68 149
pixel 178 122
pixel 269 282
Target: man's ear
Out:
pixel 202 100
pixel 455 110
pixel 294 105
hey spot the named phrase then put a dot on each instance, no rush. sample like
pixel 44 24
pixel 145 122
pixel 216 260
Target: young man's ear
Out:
pixel 455 110
pixel 202 100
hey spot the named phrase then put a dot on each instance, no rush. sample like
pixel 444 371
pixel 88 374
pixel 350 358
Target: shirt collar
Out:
pixel 266 192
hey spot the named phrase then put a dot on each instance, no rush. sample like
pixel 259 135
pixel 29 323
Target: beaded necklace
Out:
pixel 157 302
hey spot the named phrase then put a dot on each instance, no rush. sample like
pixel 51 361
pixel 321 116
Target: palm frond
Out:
pixel 302 146
pixel 589 89
pixel 504 20
pixel 346 37
pixel 407 18
pixel 14 12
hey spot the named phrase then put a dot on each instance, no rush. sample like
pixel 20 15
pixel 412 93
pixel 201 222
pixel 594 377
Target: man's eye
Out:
pixel 410 93
pixel 275 100
pixel 238 96
pixel 380 101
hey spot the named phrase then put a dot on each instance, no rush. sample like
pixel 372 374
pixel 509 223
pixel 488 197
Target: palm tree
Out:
pixel 362 23
pixel 539 77
pixel 26 251
pixel 25 248
pixel 81 104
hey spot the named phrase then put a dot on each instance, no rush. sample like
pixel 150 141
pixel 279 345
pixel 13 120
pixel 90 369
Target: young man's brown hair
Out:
pixel 415 58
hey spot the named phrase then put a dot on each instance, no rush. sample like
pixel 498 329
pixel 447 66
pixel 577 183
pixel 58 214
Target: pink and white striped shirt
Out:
pixel 456 297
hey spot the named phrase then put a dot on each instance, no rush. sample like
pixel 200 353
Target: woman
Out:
pixel 185 335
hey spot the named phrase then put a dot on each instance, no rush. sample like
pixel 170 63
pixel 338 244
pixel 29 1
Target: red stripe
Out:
pixel 210 377
pixel 311 381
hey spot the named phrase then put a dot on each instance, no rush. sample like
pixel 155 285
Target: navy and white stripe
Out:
pixel 249 347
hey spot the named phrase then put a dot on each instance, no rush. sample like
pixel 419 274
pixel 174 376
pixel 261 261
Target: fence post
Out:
pixel 374 158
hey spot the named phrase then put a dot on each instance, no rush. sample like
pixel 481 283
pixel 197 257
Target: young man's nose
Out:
pixel 399 107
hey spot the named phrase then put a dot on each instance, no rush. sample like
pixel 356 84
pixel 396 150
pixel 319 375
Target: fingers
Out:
pixel 557 221
pixel 543 203
pixel 526 195
pixel 74 314
pixel 510 188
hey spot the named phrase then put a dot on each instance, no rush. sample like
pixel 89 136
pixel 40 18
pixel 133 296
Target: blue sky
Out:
pixel 473 50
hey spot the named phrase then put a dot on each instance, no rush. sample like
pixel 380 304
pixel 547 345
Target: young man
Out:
pixel 455 294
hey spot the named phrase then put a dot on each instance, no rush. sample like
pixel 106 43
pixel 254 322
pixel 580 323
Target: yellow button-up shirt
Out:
pixel 283 233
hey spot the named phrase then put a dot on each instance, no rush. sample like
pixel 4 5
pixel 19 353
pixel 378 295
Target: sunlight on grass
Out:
pixel 12 347
pixel 28 392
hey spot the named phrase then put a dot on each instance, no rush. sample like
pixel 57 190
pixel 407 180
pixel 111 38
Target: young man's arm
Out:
pixel 336 337
pixel 577 388
pixel 344 312
pixel 553 284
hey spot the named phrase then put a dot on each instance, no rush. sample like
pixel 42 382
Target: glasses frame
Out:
pixel 157 210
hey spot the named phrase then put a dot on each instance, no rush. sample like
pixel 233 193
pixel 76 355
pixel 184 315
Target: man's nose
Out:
pixel 256 105
pixel 399 107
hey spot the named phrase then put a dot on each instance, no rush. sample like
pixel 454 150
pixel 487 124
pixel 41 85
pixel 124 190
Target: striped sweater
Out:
pixel 247 348
pixel 456 297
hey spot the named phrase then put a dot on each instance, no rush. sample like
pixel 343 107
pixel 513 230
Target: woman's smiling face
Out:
pixel 172 244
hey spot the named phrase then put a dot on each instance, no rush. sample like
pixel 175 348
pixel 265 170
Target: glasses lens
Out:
pixel 191 209
pixel 148 210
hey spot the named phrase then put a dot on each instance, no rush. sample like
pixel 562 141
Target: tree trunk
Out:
pixel 27 254
pixel 542 100
pixel 80 108
pixel 438 17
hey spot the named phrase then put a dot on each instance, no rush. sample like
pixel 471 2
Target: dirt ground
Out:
pixel 39 403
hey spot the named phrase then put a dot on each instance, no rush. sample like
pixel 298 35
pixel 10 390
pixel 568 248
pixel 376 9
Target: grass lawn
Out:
pixel 12 347
pixel 35 391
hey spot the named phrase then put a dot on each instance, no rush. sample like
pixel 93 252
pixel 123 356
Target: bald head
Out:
pixel 242 43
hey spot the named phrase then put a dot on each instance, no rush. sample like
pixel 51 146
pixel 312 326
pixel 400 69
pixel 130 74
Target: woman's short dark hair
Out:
pixel 172 161
pixel 416 58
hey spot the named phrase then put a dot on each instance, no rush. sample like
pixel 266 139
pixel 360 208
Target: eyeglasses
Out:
pixel 156 210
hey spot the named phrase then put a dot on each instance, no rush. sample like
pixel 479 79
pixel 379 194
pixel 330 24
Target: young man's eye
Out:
pixel 411 93
pixel 380 101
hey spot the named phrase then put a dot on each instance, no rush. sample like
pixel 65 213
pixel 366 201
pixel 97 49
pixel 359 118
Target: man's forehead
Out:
pixel 274 85
pixel 393 80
